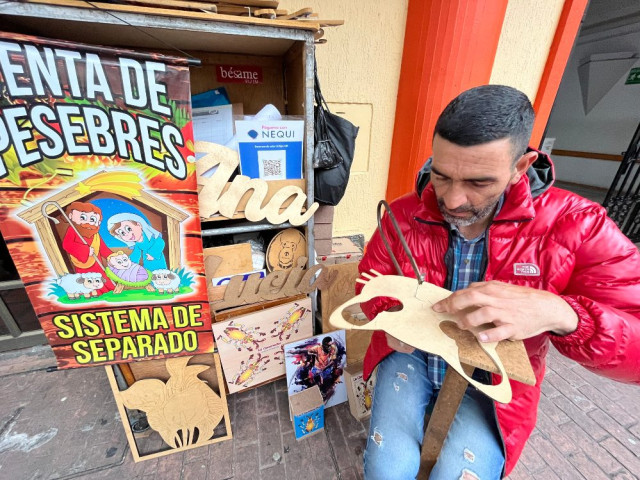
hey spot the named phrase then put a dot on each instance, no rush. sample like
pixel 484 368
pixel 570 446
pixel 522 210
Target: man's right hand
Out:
pixel 397 345
pixel 91 251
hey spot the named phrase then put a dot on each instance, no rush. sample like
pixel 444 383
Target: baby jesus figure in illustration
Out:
pixel 124 273
pixel 86 219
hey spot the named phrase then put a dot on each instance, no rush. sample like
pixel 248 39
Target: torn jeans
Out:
pixel 472 449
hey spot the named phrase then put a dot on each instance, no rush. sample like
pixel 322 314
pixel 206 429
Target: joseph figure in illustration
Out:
pixel 86 219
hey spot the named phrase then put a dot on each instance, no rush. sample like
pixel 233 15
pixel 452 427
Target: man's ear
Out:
pixel 522 165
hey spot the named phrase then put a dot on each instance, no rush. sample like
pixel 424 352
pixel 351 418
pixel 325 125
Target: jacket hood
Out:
pixel 540 174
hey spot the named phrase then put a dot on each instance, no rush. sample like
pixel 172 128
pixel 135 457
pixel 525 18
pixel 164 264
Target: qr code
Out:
pixel 273 168
pixel 272 164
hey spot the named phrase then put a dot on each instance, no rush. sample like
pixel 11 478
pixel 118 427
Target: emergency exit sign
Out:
pixel 634 76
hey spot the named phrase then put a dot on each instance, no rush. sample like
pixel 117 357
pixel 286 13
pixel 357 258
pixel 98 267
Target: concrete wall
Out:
pixel 360 66
pixel 609 126
pixel 527 32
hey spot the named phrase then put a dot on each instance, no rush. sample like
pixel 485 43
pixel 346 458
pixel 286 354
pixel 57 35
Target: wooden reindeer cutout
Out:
pixel 418 325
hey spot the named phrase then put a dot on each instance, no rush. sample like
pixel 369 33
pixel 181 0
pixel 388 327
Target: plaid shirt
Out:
pixel 467 265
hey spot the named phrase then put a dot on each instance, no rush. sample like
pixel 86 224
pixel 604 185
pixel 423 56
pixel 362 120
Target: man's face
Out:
pixel 468 181
pixel 87 223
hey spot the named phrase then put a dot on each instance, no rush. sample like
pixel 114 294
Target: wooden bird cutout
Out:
pixel 418 325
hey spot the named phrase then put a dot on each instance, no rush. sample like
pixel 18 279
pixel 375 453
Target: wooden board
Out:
pixel 343 289
pixel 181 14
pixel 235 259
pixel 179 4
pixel 163 402
pixel 250 346
pixel 419 326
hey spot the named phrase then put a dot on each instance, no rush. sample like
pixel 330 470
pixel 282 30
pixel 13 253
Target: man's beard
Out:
pixel 87 231
pixel 477 214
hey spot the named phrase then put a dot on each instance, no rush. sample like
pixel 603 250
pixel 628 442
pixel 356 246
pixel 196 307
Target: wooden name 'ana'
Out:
pixel 213 199
pixel 278 284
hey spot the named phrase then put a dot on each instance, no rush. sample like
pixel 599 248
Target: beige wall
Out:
pixel 527 33
pixel 360 64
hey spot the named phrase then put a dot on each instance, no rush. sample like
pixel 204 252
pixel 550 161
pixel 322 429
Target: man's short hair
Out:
pixel 486 113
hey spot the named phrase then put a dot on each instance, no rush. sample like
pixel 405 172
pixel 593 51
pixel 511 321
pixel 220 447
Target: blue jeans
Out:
pixel 401 396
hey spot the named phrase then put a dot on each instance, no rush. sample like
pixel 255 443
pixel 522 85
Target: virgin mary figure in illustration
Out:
pixel 145 241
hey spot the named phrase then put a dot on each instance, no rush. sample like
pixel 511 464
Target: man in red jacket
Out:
pixel 526 260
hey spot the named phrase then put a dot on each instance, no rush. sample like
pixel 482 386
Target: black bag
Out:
pixel 335 142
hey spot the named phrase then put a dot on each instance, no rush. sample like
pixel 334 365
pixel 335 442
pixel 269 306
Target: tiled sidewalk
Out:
pixel 65 424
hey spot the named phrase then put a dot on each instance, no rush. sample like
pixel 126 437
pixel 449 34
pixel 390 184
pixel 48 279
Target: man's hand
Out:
pixel 91 251
pixel 510 311
pixel 397 345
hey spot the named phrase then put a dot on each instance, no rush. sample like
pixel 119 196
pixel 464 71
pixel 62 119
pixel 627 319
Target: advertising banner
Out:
pixel 99 204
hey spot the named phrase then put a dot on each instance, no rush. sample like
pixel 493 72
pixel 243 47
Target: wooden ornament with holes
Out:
pixel 417 325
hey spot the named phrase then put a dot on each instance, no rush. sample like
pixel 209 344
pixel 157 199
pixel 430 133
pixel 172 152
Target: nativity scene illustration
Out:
pixel 108 239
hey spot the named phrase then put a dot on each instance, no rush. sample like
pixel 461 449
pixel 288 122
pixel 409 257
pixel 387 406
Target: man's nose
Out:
pixel 454 197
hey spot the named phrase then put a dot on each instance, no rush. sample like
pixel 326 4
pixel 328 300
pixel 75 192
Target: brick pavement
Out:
pixel 588 428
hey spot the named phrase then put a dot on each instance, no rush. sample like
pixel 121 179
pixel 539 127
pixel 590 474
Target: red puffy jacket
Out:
pixel 581 256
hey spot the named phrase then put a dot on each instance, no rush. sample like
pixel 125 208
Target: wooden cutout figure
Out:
pixel 285 248
pixel 418 325
pixel 184 411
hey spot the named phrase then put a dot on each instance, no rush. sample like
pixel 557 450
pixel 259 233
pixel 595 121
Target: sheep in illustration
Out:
pixel 76 284
pixel 164 280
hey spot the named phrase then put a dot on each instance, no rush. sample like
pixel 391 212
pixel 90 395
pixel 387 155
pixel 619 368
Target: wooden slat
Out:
pixel 165 12
pixel 594 155
pixel 180 4
pixel 449 399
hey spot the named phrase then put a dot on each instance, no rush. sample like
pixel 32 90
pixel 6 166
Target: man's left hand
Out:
pixel 510 311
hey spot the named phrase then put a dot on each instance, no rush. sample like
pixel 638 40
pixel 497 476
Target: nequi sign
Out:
pixel 41 130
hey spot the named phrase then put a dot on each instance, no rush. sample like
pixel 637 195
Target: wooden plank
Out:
pixel 246 309
pixel 165 12
pixel 342 289
pixel 303 12
pixel 594 155
pixel 249 3
pixel 235 259
pixel 179 4
pixel 449 399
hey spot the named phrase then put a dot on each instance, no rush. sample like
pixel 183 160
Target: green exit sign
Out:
pixel 634 76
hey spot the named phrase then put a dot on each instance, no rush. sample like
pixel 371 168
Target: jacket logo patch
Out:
pixel 526 269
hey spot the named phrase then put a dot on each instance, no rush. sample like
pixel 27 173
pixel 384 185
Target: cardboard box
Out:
pixel 307 412
pixel 343 249
pixel 360 393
